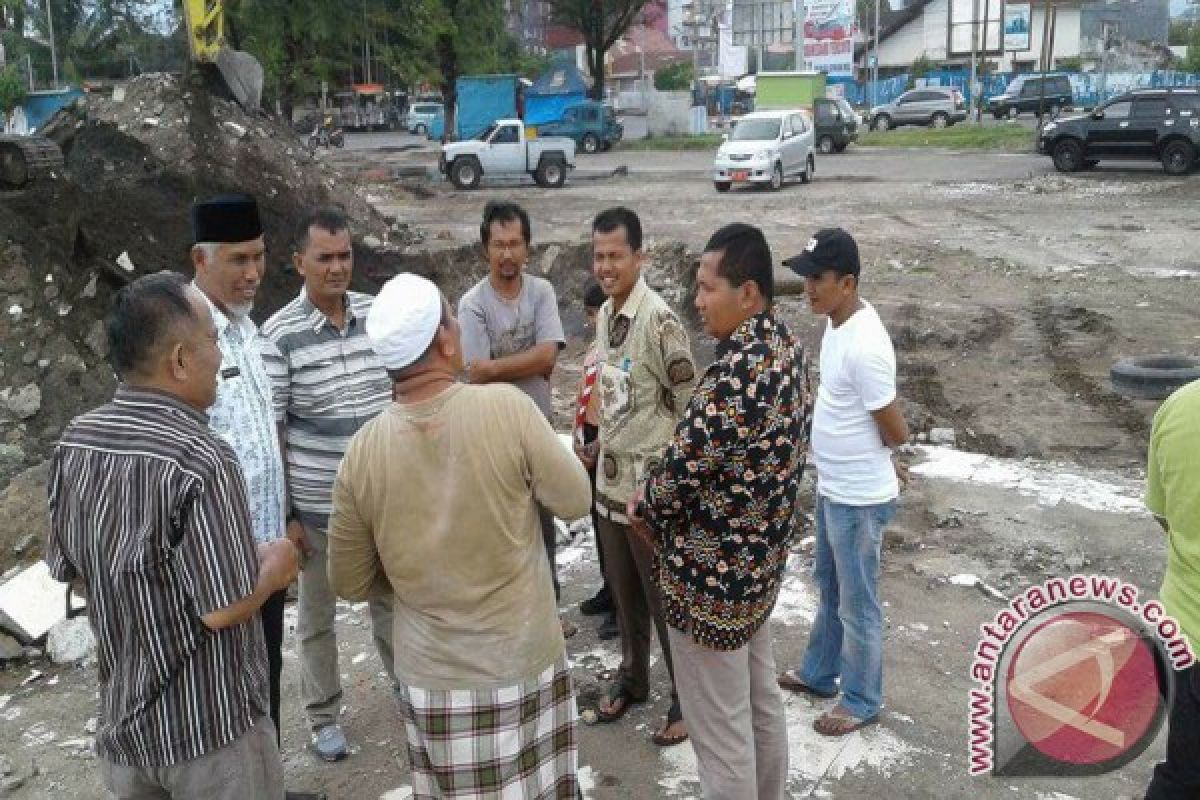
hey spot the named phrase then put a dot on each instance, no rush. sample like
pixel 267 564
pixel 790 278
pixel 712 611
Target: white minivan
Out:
pixel 767 147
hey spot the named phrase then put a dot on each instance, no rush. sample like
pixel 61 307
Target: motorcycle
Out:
pixel 326 135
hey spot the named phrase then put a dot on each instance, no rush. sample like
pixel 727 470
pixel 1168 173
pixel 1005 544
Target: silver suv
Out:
pixel 935 106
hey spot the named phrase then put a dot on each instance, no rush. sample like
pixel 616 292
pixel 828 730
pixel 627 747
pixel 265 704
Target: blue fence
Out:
pixel 1090 88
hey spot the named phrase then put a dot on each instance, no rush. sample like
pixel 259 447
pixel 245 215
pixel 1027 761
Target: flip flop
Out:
pixel 840 722
pixel 789 680
pixel 673 716
pixel 627 699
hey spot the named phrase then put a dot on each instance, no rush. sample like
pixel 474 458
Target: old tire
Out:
pixel 1068 155
pixel 551 173
pixel 882 123
pixel 722 186
pixel 590 143
pixel 810 167
pixel 825 144
pixel 1178 157
pixel 776 177
pixel 465 173
pixel 939 120
pixel 1153 377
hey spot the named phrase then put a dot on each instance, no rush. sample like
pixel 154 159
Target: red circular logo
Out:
pixel 1083 688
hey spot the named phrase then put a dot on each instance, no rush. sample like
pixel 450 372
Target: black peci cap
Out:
pixel 228 218
pixel 828 249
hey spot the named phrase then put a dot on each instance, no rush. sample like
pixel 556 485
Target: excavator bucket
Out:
pixel 243 75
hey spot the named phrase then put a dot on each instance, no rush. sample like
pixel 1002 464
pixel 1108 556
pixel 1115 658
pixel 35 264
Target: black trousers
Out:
pixel 272 623
pixel 590 432
pixel 1178 778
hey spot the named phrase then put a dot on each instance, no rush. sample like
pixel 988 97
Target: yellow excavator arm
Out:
pixel 206 28
pixel 206 40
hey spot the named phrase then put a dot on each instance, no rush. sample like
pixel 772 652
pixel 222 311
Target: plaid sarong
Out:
pixel 517 742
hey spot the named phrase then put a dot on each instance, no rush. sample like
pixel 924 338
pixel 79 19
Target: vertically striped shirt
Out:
pixel 148 509
pixel 327 383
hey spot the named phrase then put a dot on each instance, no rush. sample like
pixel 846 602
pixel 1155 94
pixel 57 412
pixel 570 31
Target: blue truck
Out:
pixel 482 99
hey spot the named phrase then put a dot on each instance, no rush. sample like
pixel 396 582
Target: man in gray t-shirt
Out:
pixel 511 331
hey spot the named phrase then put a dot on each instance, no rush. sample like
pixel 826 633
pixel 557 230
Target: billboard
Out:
pixel 1016 26
pixel 829 36
pixel 967 28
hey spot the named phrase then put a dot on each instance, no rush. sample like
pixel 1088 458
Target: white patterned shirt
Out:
pixel 244 417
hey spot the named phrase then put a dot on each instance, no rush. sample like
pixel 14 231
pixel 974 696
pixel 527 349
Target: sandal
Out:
pixel 788 679
pixel 840 722
pixel 674 716
pixel 617 694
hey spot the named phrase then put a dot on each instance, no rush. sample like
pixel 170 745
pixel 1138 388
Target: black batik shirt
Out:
pixel 721 503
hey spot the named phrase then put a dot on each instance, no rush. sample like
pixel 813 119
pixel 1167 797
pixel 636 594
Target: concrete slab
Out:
pixel 32 603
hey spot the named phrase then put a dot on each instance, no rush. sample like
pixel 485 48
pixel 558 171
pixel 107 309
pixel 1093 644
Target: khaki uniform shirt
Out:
pixel 647 374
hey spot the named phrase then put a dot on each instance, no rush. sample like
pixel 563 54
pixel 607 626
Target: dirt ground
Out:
pixel 1008 290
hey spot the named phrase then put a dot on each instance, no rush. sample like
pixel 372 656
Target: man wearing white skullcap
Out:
pixel 436 502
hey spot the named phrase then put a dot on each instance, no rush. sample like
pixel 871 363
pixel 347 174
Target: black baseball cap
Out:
pixel 828 249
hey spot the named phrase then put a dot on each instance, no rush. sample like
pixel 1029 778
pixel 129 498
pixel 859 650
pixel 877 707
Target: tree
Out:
pixel 674 77
pixel 601 23
pixel 1191 62
pixel 12 92
pixel 470 38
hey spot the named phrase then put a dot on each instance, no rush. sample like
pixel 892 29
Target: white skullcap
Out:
pixel 404 319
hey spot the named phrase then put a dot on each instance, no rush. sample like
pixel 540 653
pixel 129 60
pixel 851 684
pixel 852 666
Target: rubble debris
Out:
pixel 10 784
pixel 22 507
pixel 24 402
pixel 942 436
pixel 33 677
pixel 71 641
pixel 125 263
pixel 32 603
pixel 91 725
pixel 10 648
pixel 23 544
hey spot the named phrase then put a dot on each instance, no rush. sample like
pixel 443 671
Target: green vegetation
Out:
pixel 1010 138
pixel 675 77
pixel 705 141
pixel 601 23
pixel 12 90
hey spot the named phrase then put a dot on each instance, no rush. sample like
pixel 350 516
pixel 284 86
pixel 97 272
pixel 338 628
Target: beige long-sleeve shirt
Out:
pixel 647 374
pixel 435 501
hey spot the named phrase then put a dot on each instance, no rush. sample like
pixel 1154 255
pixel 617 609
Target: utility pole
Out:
pixel 974 49
pixel 983 72
pixel 875 67
pixel 53 50
pixel 799 12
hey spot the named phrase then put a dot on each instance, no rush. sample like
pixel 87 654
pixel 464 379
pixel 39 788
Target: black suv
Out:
pixel 1035 94
pixel 1143 125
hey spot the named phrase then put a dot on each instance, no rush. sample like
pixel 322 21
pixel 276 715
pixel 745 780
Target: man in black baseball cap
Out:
pixel 830 249
pixel 857 419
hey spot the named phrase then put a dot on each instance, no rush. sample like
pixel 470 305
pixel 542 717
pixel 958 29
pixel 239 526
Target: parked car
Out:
pixel 420 117
pixel 836 124
pixel 503 149
pixel 592 125
pixel 935 106
pixel 1144 125
pixel 1033 94
pixel 767 148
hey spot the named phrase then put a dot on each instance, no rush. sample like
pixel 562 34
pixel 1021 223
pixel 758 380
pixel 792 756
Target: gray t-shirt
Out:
pixel 493 327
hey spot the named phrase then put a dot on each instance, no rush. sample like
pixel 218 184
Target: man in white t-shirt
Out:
pixel 856 422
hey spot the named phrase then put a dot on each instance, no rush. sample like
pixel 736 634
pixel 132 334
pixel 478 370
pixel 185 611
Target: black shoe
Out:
pixel 608 629
pixel 600 603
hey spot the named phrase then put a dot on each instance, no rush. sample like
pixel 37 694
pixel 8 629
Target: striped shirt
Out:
pixel 148 509
pixel 327 383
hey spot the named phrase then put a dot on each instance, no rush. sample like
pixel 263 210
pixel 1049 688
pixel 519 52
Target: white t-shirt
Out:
pixel 858 376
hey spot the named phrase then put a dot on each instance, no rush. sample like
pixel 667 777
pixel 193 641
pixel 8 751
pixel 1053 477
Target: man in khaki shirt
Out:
pixel 436 502
pixel 646 377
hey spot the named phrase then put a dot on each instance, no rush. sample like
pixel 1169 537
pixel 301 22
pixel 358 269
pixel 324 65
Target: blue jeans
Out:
pixel 847 635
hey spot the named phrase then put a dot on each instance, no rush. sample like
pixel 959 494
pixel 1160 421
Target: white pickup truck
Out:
pixel 503 150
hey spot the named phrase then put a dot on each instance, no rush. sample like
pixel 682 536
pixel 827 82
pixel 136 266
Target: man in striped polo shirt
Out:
pixel 148 510
pixel 328 383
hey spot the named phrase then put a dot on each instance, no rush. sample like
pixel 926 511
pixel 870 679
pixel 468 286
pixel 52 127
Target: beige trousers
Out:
pixel 734 711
